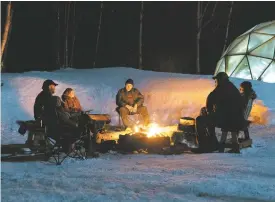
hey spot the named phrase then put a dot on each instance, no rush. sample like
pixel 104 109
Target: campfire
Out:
pixel 150 139
pixel 152 130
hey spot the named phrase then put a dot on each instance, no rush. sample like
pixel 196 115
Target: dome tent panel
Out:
pixel 269 74
pixel 234 43
pixel 257 40
pixel 258 65
pixel 240 48
pixel 266 50
pixel 242 70
pixel 270 29
pixel 232 62
pixel 262 25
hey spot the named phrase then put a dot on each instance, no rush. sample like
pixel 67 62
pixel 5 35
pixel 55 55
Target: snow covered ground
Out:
pixel 249 176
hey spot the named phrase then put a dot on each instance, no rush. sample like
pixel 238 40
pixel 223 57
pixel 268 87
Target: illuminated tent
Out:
pixel 251 55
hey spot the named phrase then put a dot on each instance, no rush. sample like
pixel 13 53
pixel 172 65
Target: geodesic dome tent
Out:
pixel 251 55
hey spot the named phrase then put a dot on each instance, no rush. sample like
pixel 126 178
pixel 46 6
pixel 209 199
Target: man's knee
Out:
pixel 142 110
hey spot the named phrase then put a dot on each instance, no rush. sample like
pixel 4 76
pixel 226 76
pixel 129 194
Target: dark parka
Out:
pixel 55 114
pixel 225 106
pixel 41 102
pixel 131 98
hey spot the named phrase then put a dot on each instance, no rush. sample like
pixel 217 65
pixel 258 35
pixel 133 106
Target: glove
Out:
pixel 135 108
pixel 130 108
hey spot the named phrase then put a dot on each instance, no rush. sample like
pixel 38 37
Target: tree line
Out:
pixel 67 20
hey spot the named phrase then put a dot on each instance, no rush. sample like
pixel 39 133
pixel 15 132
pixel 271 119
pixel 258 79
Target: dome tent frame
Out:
pixel 251 55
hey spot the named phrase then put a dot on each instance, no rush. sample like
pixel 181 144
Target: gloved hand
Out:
pixel 130 108
pixel 135 108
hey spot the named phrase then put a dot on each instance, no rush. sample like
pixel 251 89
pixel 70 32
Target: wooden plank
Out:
pixel 23 158
pixel 246 143
pixel 13 148
pixel 100 117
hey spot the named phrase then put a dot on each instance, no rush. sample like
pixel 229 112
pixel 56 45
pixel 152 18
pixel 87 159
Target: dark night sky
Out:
pixel 169 31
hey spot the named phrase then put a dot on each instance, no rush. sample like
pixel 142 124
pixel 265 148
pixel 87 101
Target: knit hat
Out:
pixel 129 81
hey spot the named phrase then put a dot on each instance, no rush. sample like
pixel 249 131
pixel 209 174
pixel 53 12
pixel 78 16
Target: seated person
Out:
pixel 70 101
pixel 55 115
pixel 224 109
pixel 247 93
pixel 130 101
pixel 42 99
pixel 59 122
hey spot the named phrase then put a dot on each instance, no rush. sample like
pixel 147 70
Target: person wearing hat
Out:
pixel 224 109
pixel 42 99
pixel 130 101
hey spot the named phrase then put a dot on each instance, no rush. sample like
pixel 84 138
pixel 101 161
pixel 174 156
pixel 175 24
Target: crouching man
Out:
pixel 130 101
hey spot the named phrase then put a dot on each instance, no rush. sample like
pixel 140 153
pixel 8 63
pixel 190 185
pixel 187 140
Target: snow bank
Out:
pixel 248 176
pixel 167 96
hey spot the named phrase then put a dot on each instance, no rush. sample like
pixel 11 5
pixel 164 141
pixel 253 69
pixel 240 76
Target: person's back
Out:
pixel 43 99
pixel 228 106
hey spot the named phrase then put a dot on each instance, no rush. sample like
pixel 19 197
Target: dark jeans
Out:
pixel 124 112
pixel 205 126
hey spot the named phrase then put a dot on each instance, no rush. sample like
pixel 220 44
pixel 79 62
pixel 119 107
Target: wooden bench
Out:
pixel 235 143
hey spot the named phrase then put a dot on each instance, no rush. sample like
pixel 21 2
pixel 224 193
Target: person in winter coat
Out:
pixel 224 109
pixel 59 122
pixel 130 101
pixel 70 101
pixel 247 93
pixel 42 99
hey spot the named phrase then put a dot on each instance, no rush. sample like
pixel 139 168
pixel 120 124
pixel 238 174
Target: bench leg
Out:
pixel 222 141
pixel 235 143
pixel 246 134
pixel 223 137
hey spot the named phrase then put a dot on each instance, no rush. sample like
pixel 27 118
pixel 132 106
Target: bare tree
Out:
pixel 140 35
pixel 98 32
pixel 201 24
pixel 73 32
pixel 228 25
pixel 58 36
pixel 7 30
pixel 67 17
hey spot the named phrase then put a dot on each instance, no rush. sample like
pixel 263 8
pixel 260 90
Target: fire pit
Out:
pixel 150 138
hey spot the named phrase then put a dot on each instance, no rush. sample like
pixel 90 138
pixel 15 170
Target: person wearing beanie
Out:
pixel 48 89
pixel 224 109
pixel 130 101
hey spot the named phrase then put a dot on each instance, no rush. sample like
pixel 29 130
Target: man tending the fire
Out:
pixel 130 101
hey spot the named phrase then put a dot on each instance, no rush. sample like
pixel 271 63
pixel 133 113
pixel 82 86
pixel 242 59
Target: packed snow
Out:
pixel 249 176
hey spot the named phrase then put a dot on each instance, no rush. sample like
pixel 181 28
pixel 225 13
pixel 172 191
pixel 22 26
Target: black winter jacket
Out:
pixel 225 105
pixel 41 102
